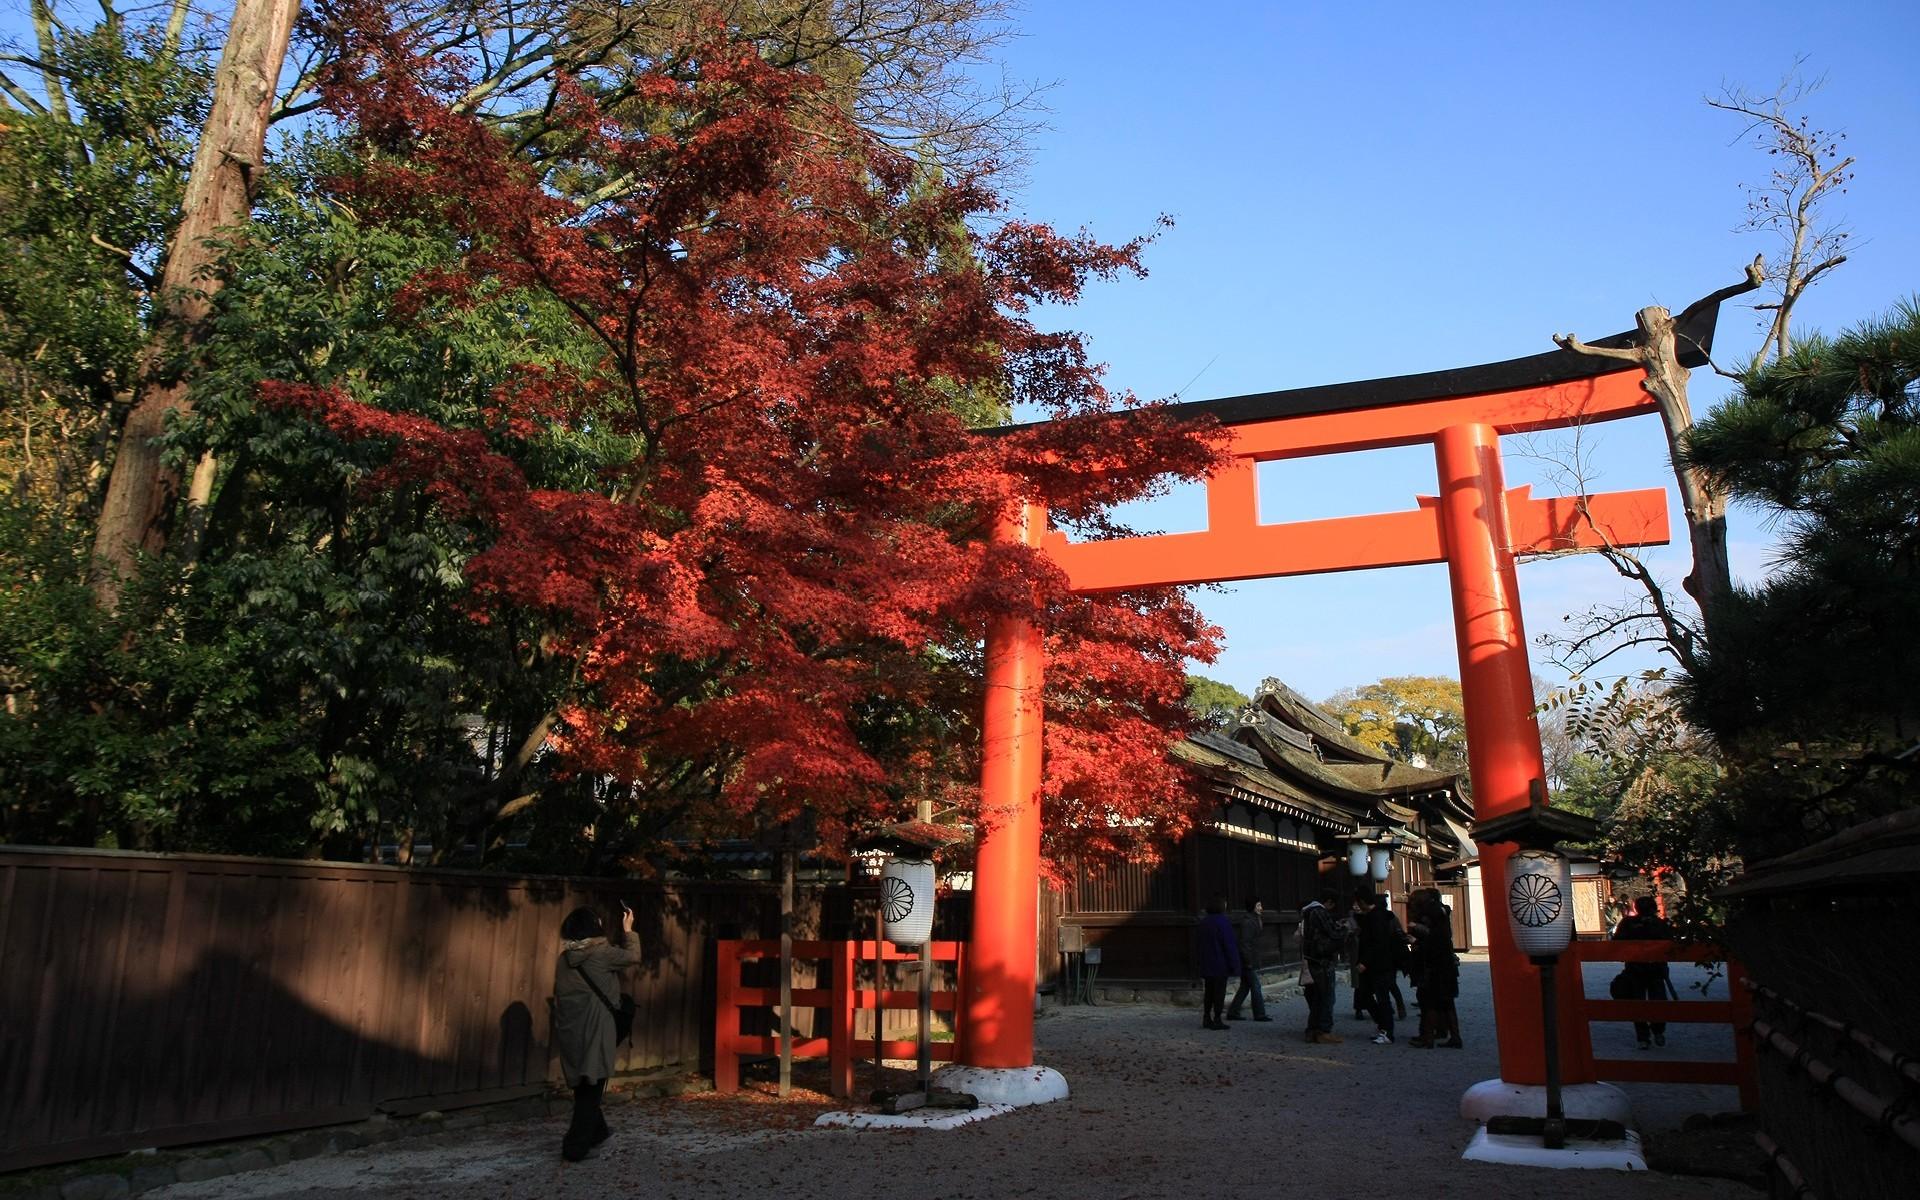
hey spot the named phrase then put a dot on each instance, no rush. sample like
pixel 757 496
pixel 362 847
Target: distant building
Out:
pixel 1295 790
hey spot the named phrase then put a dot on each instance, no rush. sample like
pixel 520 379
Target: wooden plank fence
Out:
pixel 156 1000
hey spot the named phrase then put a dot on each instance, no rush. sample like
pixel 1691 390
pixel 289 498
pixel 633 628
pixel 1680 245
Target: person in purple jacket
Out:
pixel 1217 952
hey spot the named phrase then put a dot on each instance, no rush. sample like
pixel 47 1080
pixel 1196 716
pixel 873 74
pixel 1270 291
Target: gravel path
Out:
pixel 1159 1108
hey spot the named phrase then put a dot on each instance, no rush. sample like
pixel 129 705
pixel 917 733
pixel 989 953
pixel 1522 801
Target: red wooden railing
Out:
pixel 841 999
pixel 1736 1011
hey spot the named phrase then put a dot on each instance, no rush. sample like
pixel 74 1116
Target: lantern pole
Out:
pixel 1539 890
pixel 907 887
pixel 1553 1135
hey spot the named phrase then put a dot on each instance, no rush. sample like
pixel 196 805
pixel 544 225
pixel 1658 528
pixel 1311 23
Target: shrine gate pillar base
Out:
pixel 1503 736
pixel 1578 1101
pixel 997 987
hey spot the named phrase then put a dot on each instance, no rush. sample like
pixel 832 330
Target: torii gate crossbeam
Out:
pixel 1475 525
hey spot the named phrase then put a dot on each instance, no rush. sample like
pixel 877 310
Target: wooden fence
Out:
pixel 1736 1012
pixel 156 1000
pixel 844 1000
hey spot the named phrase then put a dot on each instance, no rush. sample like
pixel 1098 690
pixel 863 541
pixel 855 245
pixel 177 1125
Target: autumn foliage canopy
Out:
pixel 773 598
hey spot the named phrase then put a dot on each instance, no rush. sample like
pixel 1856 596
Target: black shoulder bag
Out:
pixel 622 1014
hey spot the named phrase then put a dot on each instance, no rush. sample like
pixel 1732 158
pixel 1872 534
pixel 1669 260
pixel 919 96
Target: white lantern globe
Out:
pixel 1540 902
pixel 1357 858
pixel 1382 865
pixel 906 901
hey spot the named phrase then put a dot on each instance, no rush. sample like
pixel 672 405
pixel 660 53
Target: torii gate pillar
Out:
pixel 1002 962
pixel 1503 736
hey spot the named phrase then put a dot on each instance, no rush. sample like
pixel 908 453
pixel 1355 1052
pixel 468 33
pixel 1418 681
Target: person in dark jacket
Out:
pixel 583 1030
pixel 1435 971
pixel 1247 927
pixel 1377 957
pixel 1322 937
pixel 1646 981
pixel 1217 952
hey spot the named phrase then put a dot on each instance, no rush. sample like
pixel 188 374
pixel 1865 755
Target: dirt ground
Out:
pixel 1160 1107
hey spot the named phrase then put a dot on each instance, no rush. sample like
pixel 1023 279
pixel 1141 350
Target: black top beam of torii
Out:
pixel 1693 335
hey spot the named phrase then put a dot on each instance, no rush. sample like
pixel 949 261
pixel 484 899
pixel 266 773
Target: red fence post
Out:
pixel 1743 1054
pixel 840 1034
pixel 726 1018
pixel 960 997
pixel 1582 1039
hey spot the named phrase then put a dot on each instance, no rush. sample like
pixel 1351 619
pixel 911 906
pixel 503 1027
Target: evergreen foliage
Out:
pixel 1826 444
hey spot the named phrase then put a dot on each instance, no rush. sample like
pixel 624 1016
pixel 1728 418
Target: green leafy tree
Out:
pixel 1418 719
pixel 90 185
pixel 1214 702
pixel 1651 780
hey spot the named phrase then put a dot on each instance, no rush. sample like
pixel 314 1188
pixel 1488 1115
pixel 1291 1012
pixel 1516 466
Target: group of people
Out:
pixel 1226 946
pixel 1370 940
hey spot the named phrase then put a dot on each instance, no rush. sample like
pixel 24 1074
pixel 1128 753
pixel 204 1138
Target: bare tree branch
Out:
pixel 1567 341
pixel 21 96
pixel 1808 167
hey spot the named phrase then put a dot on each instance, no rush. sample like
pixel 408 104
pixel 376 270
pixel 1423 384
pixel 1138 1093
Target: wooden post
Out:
pixel 726 1018
pixel 840 1044
pixel 923 811
pixel 879 986
pixel 786 967
pixel 1741 997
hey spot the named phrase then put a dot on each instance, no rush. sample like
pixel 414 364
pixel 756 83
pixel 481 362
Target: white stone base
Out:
pixel 1011 1086
pixel 1578 1101
pixel 915 1118
pixel 1520 1150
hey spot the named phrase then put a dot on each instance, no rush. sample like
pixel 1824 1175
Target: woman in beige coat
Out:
pixel 583 1022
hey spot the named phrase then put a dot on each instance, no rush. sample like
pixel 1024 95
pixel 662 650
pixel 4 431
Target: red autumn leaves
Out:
pixel 786 580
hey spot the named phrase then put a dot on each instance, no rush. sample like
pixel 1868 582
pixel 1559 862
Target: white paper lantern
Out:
pixel 1357 858
pixel 1540 902
pixel 1382 863
pixel 906 901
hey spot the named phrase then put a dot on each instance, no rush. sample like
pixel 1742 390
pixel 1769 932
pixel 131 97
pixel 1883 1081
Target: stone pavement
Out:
pixel 1160 1108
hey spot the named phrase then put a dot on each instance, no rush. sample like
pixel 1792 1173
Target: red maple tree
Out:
pixel 789 578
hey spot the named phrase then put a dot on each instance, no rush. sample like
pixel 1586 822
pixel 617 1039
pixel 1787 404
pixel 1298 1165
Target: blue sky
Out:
pixel 1364 190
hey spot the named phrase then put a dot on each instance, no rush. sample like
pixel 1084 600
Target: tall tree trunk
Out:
pixel 141 492
pixel 1711 580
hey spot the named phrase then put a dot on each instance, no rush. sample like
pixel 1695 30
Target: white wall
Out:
pixel 1476 908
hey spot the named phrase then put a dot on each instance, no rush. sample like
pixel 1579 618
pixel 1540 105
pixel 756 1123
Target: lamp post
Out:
pixel 1540 910
pixel 906 912
pixel 906 905
pixel 1539 893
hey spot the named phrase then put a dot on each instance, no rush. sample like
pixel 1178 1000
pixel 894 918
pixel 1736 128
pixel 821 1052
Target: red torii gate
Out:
pixel 1476 526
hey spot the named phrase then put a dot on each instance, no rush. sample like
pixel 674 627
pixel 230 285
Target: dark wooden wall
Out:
pixel 151 1000
pixel 1141 917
